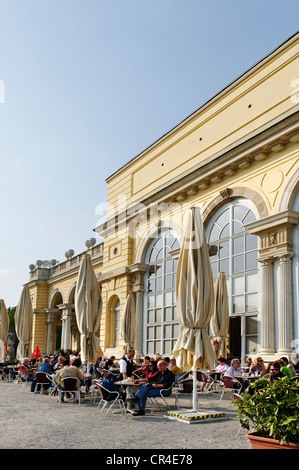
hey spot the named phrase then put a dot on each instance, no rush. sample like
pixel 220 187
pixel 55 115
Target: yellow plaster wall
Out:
pixel 227 119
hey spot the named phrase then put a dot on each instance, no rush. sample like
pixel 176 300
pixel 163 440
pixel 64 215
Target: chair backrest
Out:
pixel 69 383
pixel 42 378
pixel 228 382
pixel 187 385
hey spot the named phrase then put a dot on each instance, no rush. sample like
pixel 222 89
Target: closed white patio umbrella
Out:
pixel 195 300
pixel 88 307
pixel 23 323
pixel 220 317
pixel 128 322
pixel 4 321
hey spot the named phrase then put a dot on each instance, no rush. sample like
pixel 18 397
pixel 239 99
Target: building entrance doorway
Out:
pixel 235 336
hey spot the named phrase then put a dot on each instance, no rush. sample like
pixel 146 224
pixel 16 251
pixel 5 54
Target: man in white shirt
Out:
pixel 126 364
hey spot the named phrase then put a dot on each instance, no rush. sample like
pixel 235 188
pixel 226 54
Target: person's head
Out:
pixel 66 361
pixel 258 362
pixel 173 361
pixel 284 360
pixel 72 358
pixel 275 367
pixel 221 360
pixel 131 353
pixel 167 360
pixel 235 363
pixel 77 362
pixel 249 360
pixel 46 360
pixel 60 359
pixel 162 366
pixel 99 359
pixel 147 359
pixel 25 361
pixel 112 358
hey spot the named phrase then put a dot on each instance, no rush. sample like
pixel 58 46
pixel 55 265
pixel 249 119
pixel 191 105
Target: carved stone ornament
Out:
pixel 226 193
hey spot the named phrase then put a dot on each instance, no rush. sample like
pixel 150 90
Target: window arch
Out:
pixel 237 257
pixel 161 327
pixel 114 323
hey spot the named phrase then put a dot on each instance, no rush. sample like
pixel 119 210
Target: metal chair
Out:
pixel 42 379
pixel 184 388
pixel 164 393
pixel 228 385
pixel 205 380
pixel 68 384
pixel 109 397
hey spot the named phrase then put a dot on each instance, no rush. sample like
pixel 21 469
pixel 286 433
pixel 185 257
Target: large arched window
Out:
pixel 114 323
pixel 161 325
pixel 237 257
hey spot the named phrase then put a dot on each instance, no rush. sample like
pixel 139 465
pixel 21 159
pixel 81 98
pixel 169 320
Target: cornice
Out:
pixel 219 168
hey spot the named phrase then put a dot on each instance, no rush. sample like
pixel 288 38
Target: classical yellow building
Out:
pixel 237 158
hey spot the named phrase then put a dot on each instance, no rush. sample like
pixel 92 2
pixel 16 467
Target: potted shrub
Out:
pixel 273 412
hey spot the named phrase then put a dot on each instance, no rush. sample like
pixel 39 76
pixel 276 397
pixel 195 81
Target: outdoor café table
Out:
pixel 127 384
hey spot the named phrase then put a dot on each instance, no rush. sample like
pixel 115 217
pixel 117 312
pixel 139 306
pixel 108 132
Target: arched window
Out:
pixel 161 325
pixel 114 323
pixel 237 257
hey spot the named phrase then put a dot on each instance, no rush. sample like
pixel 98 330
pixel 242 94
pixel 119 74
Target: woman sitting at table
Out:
pixel 235 371
pixel 257 367
pixel 151 372
pixel 222 365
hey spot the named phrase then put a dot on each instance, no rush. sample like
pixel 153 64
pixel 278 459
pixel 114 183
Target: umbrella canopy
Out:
pixel 36 352
pixel 88 306
pixel 220 317
pixel 4 321
pixel 23 323
pixel 195 299
pixel 128 322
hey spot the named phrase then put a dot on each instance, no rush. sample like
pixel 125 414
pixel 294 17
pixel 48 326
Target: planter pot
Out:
pixel 258 442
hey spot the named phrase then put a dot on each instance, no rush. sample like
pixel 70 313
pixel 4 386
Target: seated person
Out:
pixel 58 364
pixel 174 368
pixel 44 367
pixel 257 367
pixel 144 369
pixel 26 372
pixel 110 363
pixel 222 364
pixel 235 370
pixel 275 372
pixel 167 360
pixel 152 370
pixel 287 367
pixel 108 381
pixel 164 379
pixel 69 371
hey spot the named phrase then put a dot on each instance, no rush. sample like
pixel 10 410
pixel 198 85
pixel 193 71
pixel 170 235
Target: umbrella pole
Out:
pixel 194 408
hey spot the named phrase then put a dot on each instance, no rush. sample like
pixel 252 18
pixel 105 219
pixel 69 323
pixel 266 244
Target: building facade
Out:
pixel 237 158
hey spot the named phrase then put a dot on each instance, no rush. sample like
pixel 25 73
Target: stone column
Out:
pixel 137 271
pixel 285 319
pixel 66 328
pixel 267 338
pixel 139 326
pixel 50 330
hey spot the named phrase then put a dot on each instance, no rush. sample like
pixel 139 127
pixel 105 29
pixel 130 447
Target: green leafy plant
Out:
pixel 272 409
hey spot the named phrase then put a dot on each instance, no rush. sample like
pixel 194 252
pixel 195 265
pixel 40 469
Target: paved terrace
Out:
pixel 36 422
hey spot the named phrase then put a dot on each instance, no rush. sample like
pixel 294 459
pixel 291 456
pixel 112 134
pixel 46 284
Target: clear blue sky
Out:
pixel 90 84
